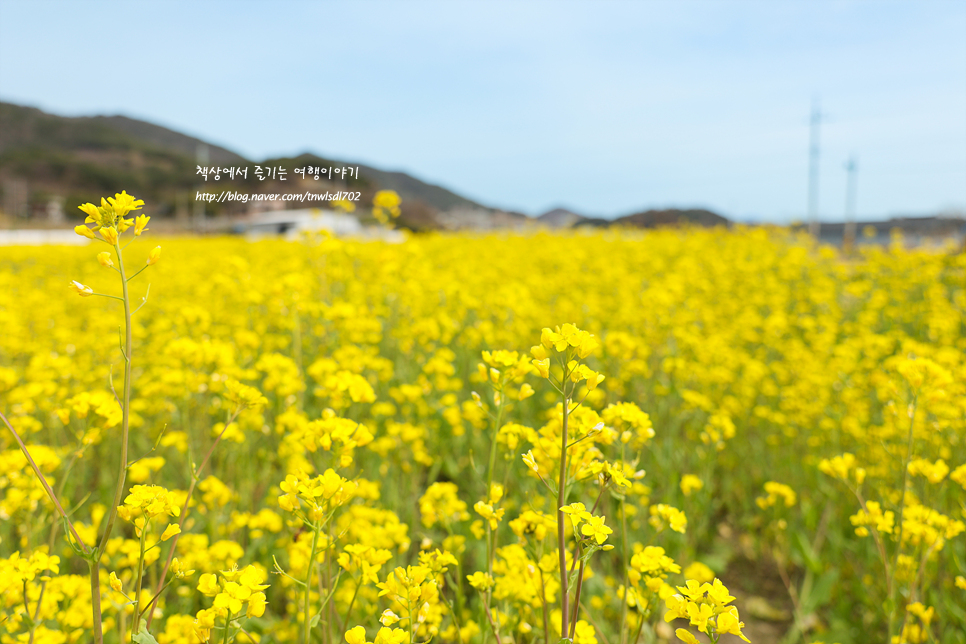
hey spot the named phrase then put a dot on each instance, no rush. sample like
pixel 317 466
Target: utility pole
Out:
pixel 813 167
pixel 852 168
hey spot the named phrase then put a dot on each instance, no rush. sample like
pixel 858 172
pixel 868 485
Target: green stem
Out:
pixel 195 477
pixel 227 625
pixel 543 601
pixel 561 527
pixel 348 612
pixel 580 583
pixel 624 561
pixel 456 621
pixel 154 599
pixel 409 608
pixel 113 297
pixel 136 623
pixel 138 273
pixel 308 585
pixel 492 461
pixel 43 481
pixel 122 469
pixel 640 627
pixel 902 507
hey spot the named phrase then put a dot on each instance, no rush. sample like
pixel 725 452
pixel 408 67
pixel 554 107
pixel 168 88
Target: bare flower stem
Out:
pixel 43 481
pixel 561 526
pixel 122 468
pixel 195 477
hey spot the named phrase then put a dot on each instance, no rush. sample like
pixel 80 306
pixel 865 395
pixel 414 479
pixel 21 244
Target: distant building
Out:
pixel 291 223
pixel 916 231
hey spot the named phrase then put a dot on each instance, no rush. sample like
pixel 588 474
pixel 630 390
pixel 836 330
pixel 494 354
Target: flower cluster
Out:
pixel 235 592
pixel 706 606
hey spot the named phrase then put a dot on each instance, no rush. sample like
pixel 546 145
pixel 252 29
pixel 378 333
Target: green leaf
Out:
pixel 573 580
pixel 822 591
pixel 143 636
pixel 314 621
pixel 811 557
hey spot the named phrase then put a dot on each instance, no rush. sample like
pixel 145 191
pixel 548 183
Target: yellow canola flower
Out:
pixel 393 636
pixel 84 231
pixel 675 518
pixel 124 203
pixel 93 216
pixel 208 584
pixel 794 367
pixel 728 623
pixel 491 515
pixel 932 472
pixel 690 483
pixel 959 475
pixel 154 256
pixel 385 206
pixel 776 492
pixel 140 223
pixel 841 466
pixel 699 571
pixel 700 614
pixel 356 635
pixel 577 513
pixel 480 580
pixel 873 516
pixel 170 531
pixel 256 605
pixel 179 569
pixel 531 461
pixel 104 259
pixel 686 636
pixel 388 618
pixel 596 529
pixel 110 235
pixel 232 597
pixel 80 289
pixel 543 367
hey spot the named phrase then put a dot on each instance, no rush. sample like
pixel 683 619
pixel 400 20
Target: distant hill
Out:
pixel 560 218
pixel 78 159
pixel 51 164
pixel 672 217
pixel 662 218
pixel 408 187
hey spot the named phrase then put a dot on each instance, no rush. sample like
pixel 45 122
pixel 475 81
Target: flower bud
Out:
pixel 84 231
pixel 109 235
pixel 104 259
pixel 154 255
pixel 83 291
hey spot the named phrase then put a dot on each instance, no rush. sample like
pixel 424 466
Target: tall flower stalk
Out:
pixel 563 349
pixel 110 223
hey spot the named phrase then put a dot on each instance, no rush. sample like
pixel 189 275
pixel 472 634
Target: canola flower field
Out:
pixel 479 439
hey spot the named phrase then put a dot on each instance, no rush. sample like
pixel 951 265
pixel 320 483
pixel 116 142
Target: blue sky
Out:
pixel 603 107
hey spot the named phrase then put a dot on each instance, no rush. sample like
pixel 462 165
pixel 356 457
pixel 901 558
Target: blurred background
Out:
pixel 492 114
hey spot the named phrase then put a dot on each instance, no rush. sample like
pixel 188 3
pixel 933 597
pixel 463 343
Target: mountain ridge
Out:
pixel 72 158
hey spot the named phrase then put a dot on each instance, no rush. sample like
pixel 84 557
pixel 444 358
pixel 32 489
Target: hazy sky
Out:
pixel 603 107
